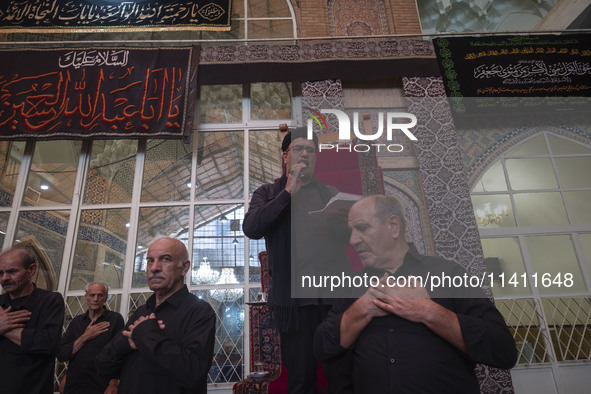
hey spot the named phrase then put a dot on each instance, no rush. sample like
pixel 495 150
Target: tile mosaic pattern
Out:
pixel 357 17
pixel 328 94
pixel 325 51
pixel 448 200
pixel 412 216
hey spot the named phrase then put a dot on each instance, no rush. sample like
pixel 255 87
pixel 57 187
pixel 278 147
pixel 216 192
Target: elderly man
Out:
pixel 299 244
pixel 30 327
pixel 405 338
pixel 167 345
pixel 85 337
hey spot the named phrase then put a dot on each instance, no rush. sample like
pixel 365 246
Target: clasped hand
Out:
pixel 411 302
pixel 127 333
pixel 10 320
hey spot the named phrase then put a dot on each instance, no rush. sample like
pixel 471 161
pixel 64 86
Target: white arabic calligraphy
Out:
pixel 538 68
pixel 80 13
pixel 77 59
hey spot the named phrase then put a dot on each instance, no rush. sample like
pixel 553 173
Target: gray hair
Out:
pixel 27 255
pixel 387 206
pixel 105 286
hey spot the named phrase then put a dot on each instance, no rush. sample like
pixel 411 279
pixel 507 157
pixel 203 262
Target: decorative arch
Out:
pixel 357 17
pixel 496 150
pixel 418 228
pixel 45 277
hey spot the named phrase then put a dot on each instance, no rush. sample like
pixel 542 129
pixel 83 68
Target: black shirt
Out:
pixel 82 376
pixel 395 355
pixel 174 360
pixel 29 368
pixel 321 241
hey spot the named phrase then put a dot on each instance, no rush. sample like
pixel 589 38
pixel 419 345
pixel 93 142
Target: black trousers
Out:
pixel 298 357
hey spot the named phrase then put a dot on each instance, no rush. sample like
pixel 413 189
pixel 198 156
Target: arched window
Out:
pixel 533 208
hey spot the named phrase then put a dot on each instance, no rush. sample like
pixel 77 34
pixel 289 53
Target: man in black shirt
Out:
pixel 405 338
pixel 85 337
pixel 299 244
pixel 167 345
pixel 30 327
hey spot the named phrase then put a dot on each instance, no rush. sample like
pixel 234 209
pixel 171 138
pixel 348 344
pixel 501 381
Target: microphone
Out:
pixel 303 172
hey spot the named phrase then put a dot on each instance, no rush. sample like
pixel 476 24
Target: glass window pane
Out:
pixel 265 158
pixel 553 257
pixel 531 174
pixel 492 180
pixel 568 320
pixel 218 243
pixel 579 206
pixel 167 171
pixel 585 241
pixel 236 32
pixel 4 216
pixel 540 209
pixel 573 171
pixel 562 146
pixel 237 10
pixel 256 246
pixel 265 167
pixel 533 147
pixel 76 305
pixel 503 257
pixel 11 154
pixel 220 104
pixel 100 248
pixel 136 300
pixel 53 173
pixel 523 320
pixel 220 165
pixel 47 229
pixel 228 352
pixel 111 171
pixel 270 29
pixel 493 211
pixel 155 223
pixel 267 8
pixel 270 101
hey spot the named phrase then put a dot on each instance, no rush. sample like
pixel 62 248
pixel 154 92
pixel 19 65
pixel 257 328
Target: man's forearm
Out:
pixel 78 343
pixel 445 323
pixel 354 320
pixel 113 387
pixel 14 335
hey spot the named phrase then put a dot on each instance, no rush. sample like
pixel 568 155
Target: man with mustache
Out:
pixel 299 244
pixel 167 345
pixel 85 337
pixel 405 338
pixel 30 326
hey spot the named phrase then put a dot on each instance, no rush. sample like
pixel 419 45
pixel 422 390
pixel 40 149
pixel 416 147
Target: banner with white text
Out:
pixel 90 15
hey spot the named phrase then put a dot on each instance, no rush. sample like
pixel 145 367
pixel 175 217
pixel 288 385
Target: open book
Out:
pixel 339 205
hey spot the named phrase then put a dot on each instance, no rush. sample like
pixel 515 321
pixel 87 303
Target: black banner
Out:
pixel 540 66
pixel 107 92
pixel 80 15
pixel 515 73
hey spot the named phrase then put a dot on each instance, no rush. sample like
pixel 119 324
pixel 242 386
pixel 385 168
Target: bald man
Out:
pixel 30 327
pixel 406 337
pixel 167 345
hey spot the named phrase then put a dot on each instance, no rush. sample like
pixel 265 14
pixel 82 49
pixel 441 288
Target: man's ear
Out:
pixel 32 269
pixel 186 266
pixel 283 162
pixel 393 223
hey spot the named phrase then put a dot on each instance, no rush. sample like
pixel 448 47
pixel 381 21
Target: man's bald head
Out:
pixel 377 231
pixel 168 262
